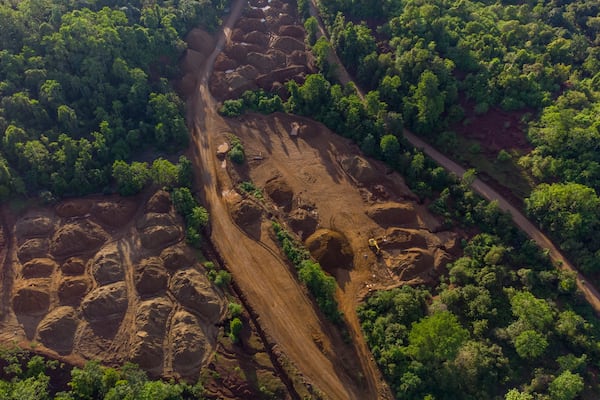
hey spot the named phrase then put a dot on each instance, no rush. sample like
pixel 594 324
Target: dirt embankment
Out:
pixel 110 279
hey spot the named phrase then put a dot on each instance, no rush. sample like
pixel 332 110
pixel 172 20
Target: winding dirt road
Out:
pixel 591 294
pixel 286 313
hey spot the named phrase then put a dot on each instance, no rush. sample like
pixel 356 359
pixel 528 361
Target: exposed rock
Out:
pixel 78 237
pixel 107 265
pixel 57 330
pixel 151 276
pixel 72 290
pixel 33 248
pixel 331 249
pixel 32 299
pixel 106 302
pixel 178 257
pixel 195 292
pixel 39 268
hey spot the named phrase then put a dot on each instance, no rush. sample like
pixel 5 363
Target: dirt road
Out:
pixel 591 294
pixel 286 313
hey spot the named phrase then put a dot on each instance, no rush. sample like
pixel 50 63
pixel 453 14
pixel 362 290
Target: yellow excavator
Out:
pixel 374 246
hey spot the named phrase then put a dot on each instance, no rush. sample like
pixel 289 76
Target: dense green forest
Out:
pixel 85 83
pixel 31 377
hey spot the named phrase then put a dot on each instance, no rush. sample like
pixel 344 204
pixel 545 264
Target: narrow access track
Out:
pixel 591 293
pixel 286 313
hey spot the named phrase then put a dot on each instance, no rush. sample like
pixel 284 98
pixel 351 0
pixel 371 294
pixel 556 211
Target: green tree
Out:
pixel 436 338
pixel 235 328
pixel 530 344
pixel 566 386
pixel 390 148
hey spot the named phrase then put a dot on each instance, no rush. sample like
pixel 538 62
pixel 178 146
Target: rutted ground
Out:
pixel 319 186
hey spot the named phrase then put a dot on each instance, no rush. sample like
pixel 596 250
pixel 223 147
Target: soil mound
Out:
pixel 303 222
pixel 153 219
pixel 280 75
pixel 246 214
pixel 155 237
pixel 72 290
pixel 57 330
pixel 278 57
pixel 34 226
pixel 237 52
pixel 39 268
pixel 114 213
pixel 105 303
pixel 189 343
pixel 288 44
pixel 194 291
pixel 32 299
pixel 33 248
pixel 415 263
pixel 257 38
pixel 248 72
pixel 251 24
pixel 407 238
pixel 107 265
pixel 150 322
pixel 280 192
pixel 331 249
pixel 260 61
pixel 177 257
pixel 393 214
pixel 160 202
pixel 200 41
pixel 254 13
pixel 360 169
pixel 73 208
pixel 151 276
pixel 78 237
pixel 73 266
pixel 294 31
pixel 224 63
pixel 298 58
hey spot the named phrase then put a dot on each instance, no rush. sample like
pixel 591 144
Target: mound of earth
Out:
pixel 57 330
pixel 189 343
pixel 154 219
pixel 247 215
pixel 150 322
pixel 278 57
pixel 257 38
pixel 33 248
pixel 293 31
pixel 393 214
pixel 297 57
pixel 72 290
pixel 251 24
pixel 39 268
pixel 78 237
pixel 288 44
pixel 107 265
pixel 262 62
pixel 407 238
pixel 195 292
pixel 303 222
pixel 331 249
pixel 73 266
pixel 73 208
pixel 177 257
pixel 105 303
pixel 224 63
pixel 280 192
pixel 280 75
pixel 360 169
pixel 151 276
pixel 155 237
pixel 237 52
pixel 415 263
pixel 200 41
pixel 34 226
pixel 160 202
pixel 254 13
pixel 248 72
pixel 114 213
pixel 32 299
